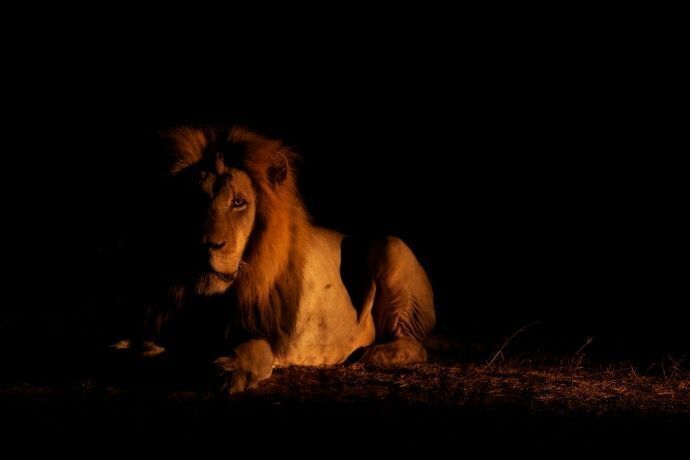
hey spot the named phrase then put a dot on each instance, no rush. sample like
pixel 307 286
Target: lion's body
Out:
pixel 332 323
pixel 297 293
pixel 329 327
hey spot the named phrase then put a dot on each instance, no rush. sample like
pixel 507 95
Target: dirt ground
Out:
pixel 445 400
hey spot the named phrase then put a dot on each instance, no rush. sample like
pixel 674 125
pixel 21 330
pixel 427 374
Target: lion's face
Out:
pixel 230 209
pixel 234 213
pixel 234 218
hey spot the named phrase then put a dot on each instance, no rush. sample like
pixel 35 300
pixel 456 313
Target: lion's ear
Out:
pixel 278 171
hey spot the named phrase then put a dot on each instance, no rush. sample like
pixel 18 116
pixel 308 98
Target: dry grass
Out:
pixel 550 388
pixel 530 403
pixel 540 388
pixel 538 384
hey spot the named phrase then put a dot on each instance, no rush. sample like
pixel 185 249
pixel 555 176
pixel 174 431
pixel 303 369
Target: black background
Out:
pixel 535 178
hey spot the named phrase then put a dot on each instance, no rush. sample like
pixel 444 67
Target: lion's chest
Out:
pixel 328 327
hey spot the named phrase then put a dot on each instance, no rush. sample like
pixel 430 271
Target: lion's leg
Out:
pixel 403 308
pixel 145 339
pixel 249 363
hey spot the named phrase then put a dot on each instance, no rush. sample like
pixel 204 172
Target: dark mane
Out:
pixel 268 295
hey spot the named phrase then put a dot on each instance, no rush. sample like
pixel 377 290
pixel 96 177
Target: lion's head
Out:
pixel 246 222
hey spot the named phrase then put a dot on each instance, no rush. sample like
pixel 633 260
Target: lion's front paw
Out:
pixel 124 344
pixel 250 363
pixel 235 380
pixel 146 349
pixel 151 349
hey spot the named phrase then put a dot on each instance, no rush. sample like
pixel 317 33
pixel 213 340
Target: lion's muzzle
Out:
pixel 227 277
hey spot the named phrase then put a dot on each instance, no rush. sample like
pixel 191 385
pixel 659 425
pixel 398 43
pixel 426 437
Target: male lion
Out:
pixel 285 291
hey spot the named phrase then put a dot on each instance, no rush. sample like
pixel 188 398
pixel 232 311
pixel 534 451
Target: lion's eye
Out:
pixel 238 203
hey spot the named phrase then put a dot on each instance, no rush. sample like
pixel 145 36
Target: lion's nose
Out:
pixel 212 246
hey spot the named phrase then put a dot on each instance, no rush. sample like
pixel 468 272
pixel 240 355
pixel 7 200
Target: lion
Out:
pixel 288 292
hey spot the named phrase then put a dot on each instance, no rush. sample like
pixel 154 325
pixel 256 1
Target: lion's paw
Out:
pixel 151 349
pixel 399 351
pixel 146 349
pixel 234 379
pixel 124 344
pixel 250 363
